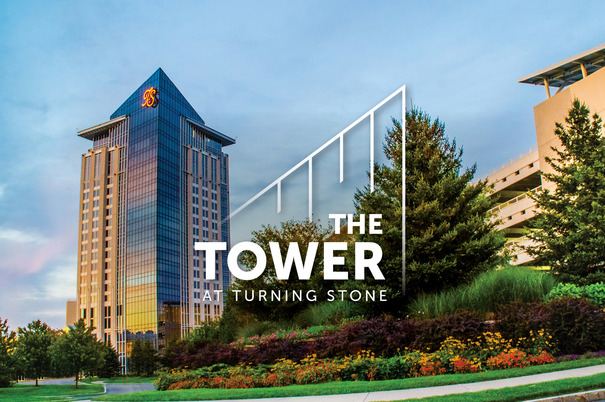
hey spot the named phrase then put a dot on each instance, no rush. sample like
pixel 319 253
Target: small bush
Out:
pixel 517 320
pixel 594 292
pixel 432 332
pixel 382 336
pixel 565 290
pixel 577 326
pixel 207 332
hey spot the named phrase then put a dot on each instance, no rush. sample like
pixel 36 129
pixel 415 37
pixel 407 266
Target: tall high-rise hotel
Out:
pixel 155 181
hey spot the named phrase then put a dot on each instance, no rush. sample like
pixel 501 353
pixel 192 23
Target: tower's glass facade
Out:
pixel 169 189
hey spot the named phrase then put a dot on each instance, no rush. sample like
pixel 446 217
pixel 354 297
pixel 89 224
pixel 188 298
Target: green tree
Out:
pixel 301 233
pixel 450 234
pixel 111 366
pixel 77 350
pixel 570 229
pixel 143 358
pixel 7 345
pixel 32 353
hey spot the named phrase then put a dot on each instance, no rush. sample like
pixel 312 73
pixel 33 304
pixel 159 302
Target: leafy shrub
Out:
pixel 565 290
pixel 380 335
pixel 166 379
pixel 207 332
pixel 203 355
pixel 432 332
pixel 577 326
pixel 267 353
pixel 595 293
pixel 392 368
pixel 517 320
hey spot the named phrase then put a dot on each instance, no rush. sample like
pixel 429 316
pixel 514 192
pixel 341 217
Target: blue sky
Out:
pixel 281 77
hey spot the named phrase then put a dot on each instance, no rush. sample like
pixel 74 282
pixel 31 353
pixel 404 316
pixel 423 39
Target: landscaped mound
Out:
pixel 485 352
pixel 522 334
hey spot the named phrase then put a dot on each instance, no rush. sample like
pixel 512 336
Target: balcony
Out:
pixel 517 210
pixel 516 176
pixel 516 249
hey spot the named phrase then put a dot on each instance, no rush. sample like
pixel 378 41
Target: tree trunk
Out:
pixel 77 375
pixel 36 381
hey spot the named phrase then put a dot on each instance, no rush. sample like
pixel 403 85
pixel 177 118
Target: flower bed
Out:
pixel 484 352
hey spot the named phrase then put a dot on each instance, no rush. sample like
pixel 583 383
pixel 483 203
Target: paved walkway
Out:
pixel 110 389
pixel 442 390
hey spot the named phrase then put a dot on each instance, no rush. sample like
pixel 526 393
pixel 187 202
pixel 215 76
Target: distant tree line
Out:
pixel 38 351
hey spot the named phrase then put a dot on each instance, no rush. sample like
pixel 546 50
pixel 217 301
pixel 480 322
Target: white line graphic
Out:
pixel 340 137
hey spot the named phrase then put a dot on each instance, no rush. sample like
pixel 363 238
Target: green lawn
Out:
pixel 346 387
pixel 523 392
pixel 121 380
pixel 26 393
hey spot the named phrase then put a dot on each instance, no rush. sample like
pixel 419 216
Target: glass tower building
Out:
pixel 155 181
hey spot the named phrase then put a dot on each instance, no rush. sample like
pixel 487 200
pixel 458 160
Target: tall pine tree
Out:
pixel 570 229
pixel 450 234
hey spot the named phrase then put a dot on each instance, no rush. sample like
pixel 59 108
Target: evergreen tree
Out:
pixel 32 353
pixel 7 344
pixel 450 235
pixel 570 229
pixel 76 351
pixel 111 366
pixel 143 358
pixel 135 362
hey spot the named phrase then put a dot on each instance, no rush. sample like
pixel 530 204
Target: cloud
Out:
pixel 61 282
pixel 41 295
pixel 18 236
pixel 28 252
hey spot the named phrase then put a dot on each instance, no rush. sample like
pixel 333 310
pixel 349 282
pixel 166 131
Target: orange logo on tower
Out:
pixel 150 97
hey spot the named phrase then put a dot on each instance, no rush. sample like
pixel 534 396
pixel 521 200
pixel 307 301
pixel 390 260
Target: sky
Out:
pixel 280 77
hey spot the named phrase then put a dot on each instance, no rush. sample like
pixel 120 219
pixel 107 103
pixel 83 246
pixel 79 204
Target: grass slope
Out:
pixel 345 387
pixel 22 392
pixel 486 293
